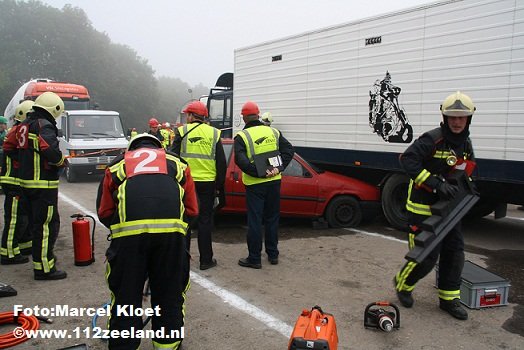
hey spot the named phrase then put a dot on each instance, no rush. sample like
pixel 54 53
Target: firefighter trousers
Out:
pixel 16 235
pixel 451 263
pixel 162 258
pixel 44 224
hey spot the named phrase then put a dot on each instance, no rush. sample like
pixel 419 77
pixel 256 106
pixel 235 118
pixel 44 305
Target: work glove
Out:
pixel 447 191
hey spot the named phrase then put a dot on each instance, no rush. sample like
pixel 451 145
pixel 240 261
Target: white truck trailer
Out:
pixel 352 97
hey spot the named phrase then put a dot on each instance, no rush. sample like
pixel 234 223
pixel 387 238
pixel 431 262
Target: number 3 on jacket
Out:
pixel 145 161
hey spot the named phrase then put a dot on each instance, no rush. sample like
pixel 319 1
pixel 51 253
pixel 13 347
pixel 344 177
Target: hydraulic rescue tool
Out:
pixel 314 329
pixel 84 247
pixel 382 315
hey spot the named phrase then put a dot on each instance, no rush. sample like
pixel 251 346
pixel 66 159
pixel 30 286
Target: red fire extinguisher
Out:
pixel 83 247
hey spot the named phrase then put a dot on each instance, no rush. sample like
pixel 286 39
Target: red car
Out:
pixel 307 191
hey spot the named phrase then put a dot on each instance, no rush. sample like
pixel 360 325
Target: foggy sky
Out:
pixel 195 40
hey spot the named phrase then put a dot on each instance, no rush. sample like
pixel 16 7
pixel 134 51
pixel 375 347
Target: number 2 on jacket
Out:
pixel 145 161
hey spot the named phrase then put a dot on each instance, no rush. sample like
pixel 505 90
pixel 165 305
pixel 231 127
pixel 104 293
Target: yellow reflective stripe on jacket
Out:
pixel 422 176
pixel 121 196
pixel 200 154
pixel 417 208
pixel 442 154
pixel 181 167
pixel 36 156
pixel 137 227
pixel 251 150
pixel 9 180
pixel 39 183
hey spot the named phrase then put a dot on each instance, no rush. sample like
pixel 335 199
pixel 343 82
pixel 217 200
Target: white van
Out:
pixel 91 139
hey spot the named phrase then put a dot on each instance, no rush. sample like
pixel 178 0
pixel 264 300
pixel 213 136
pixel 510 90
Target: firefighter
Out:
pixel 428 161
pixel 147 237
pixel 267 118
pixel 165 134
pixel 40 160
pixel 262 191
pixel 16 237
pixel 199 144
pixel 154 129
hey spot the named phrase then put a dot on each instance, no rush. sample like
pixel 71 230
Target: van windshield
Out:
pixel 72 105
pixel 94 126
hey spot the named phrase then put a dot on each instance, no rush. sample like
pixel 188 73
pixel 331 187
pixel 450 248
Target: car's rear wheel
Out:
pixel 71 175
pixel 343 211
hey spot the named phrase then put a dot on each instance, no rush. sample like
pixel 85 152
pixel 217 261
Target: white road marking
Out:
pixel 374 234
pixel 227 296
pixel 242 305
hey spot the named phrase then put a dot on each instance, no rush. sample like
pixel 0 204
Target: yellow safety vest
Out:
pixel 269 142
pixel 198 149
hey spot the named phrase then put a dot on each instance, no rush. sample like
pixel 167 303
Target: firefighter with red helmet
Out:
pixel 154 129
pixel 148 235
pixel 428 161
pixel 199 144
pixel 40 161
pixel 16 236
pixel 262 189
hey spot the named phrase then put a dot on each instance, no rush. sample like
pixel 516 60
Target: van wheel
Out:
pixel 71 175
pixel 343 211
pixel 394 196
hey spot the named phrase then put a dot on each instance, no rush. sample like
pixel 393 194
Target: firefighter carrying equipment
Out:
pixel 24 323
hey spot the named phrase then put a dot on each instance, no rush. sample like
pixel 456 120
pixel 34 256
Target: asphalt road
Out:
pixel 342 270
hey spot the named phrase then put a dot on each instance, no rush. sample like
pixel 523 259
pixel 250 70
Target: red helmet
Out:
pixel 250 108
pixel 153 122
pixel 197 108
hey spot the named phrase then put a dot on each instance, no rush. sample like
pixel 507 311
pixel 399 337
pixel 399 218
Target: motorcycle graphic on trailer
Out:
pixel 386 117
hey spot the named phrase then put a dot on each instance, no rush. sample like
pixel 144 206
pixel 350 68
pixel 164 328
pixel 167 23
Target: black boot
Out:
pixel 55 275
pixel 405 298
pixel 18 259
pixel 454 308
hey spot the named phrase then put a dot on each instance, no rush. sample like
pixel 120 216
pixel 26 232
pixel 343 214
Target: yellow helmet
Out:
pixel 267 117
pixel 457 105
pixel 51 102
pixel 22 109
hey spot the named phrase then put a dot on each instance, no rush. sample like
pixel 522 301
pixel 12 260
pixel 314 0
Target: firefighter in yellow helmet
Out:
pixel 200 145
pixel 40 162
pixel 428 162
pixel 16 236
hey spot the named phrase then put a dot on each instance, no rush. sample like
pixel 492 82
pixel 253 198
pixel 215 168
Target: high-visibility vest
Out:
pixel 198 148
pixel 258 140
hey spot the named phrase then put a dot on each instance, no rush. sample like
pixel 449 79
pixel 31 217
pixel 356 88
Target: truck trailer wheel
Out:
pixel 343 211
pixel 71 175
pixel 394 195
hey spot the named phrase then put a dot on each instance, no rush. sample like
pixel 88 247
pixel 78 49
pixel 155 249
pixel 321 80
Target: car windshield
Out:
pixel 96 126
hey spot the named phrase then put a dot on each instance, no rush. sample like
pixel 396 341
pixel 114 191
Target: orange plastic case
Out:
pixel 314 330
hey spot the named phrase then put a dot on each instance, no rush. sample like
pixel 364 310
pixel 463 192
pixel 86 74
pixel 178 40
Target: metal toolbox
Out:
pixel 481 288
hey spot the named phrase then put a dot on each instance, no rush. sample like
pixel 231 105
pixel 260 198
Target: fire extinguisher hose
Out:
pixel 17 335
